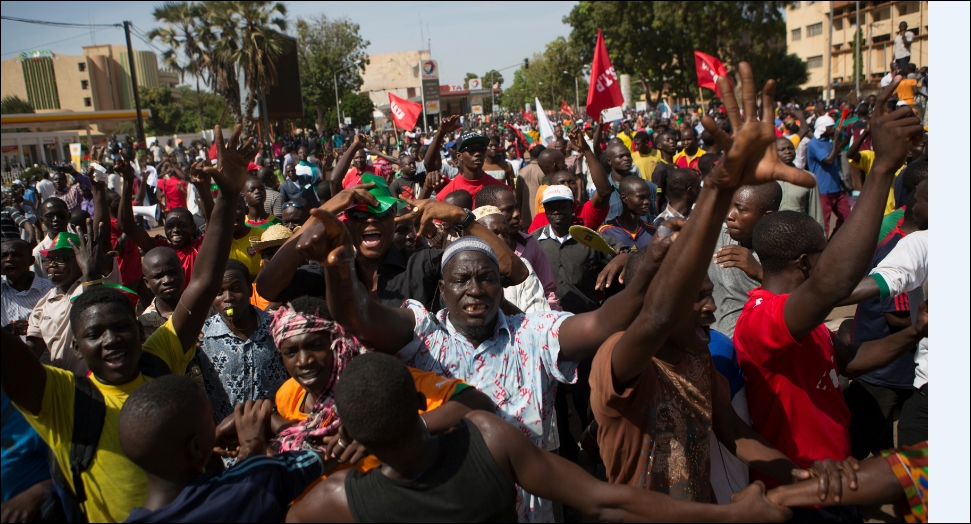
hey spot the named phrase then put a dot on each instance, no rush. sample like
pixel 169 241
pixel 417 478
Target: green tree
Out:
pixel 657 40
pixel 469 76
pixel 260 28
pixel 858 64
pixel 356 106
pixel 166 111
pixel 14 105
pixel 199 105
pixel 325 46
pixel 551 77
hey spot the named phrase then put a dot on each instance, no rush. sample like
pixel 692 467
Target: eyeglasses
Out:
pixel 59 260
pixel 358 215
pixel 291 203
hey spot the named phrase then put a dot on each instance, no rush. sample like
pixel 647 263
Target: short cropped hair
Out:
pixel 96 296
pixel 782 237
pixel 377 400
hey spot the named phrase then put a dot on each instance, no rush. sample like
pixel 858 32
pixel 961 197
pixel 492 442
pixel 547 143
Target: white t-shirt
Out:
pixel 899 49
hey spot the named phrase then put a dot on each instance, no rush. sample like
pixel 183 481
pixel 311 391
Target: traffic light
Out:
pixel 525 63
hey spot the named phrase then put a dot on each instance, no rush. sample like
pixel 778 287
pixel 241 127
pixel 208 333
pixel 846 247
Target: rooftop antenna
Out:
pixel 422 29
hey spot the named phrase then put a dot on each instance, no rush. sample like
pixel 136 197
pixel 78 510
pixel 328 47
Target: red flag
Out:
pixel 604 90
pixel 529 117
pixel 403 112
pixel 709 69
pixel 521 138
pixel 565 108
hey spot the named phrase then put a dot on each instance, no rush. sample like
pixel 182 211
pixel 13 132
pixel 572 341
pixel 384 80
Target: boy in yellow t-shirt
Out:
pixel 108 336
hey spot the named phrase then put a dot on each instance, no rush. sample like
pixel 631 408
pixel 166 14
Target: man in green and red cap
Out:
pixel 49 328
pixel 391 275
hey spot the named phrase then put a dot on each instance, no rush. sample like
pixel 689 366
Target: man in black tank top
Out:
pixel 469 474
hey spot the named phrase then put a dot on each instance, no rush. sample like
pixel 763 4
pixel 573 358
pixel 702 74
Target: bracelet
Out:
pixel 90 283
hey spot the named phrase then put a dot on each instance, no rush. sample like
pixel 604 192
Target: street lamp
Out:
pixel 576 84
pixel 338 96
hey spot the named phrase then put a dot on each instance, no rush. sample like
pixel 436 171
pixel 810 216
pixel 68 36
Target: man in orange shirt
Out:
pixel 315 351
pixel 907 87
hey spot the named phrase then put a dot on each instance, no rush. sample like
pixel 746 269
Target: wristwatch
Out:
pixel 465 222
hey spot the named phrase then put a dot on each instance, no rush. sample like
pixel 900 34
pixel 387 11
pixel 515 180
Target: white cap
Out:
pixel 554 193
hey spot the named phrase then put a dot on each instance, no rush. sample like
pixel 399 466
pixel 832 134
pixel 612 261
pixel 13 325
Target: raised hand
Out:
pixel 124 168
pixel 450 124
pixel 232 160
pixel 253 426
pixel 577 141
pixel 88 253
pixel 325 239
pixel 352 196
pixel 750 153
pixel 427 211
pixel 361 140
pixel 891 132
pixel 198 174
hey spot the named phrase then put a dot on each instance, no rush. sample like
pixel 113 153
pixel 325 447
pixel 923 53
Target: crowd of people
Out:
pixel 623 321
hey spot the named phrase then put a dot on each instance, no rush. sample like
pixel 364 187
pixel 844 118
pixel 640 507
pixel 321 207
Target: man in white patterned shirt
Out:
pixel 21 288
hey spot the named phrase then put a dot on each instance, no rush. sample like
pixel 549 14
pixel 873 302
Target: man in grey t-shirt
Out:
pixel 735 269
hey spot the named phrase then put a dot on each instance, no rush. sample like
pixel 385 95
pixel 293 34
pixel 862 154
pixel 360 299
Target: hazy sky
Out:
pixel 465 37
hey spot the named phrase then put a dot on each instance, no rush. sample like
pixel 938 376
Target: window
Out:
pixel 838 24
pixel 412 92
pixel 814 30
pixel 795 5
pixel 87 100
pixel 906 8
pixel 814 62
pixel 797 34
pixel 82 66
pixel 881 14
pixel 84 84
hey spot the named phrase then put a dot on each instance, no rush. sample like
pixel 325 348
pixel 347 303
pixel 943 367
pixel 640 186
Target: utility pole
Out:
pixel 134 84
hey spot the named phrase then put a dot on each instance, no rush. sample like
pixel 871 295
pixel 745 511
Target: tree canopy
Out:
pixel 326 46
pixel 657 40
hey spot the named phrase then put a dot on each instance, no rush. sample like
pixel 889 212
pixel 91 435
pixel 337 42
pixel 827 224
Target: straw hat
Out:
pixel 275 235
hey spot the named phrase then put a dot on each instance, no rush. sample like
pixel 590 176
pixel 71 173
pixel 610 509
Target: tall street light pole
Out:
pixel 337 96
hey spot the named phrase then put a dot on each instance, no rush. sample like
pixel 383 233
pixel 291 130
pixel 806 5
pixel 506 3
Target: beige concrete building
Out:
pixel 97 80
pixel 396 73
pixel 808 35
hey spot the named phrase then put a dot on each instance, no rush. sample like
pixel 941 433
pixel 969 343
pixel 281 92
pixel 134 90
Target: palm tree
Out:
pixel 256 42
pixel 181 34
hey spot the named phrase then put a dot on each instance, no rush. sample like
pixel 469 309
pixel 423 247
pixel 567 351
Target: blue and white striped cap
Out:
pixel 468 244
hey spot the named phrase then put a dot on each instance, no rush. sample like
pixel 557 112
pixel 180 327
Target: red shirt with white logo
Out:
pixel 794 394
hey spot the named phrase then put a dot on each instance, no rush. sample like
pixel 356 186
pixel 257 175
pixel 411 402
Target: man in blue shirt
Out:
pixel 299 186
pixel 25 473
pixel 822 160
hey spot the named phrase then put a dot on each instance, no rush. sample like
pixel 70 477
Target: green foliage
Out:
pixel 193 102
pixel 657 40
pixel 551 77
pixel 858 64
pixel 14 105
pixel 325 46
pixel 223 43
pixel 357 106
pixel 166 111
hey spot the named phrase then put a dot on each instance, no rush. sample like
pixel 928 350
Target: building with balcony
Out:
pixel 810 36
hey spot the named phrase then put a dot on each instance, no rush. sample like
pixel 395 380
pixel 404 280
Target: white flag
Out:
pixel 545 128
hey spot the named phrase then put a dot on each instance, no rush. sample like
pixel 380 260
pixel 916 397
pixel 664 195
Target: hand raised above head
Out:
pixel 577 139
pixel 325 239
pixel 892 132
pixel 750 154
pixel 232 159
pixel 427 211
pixel 450 124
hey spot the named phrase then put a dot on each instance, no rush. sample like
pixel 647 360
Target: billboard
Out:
pixel 431 92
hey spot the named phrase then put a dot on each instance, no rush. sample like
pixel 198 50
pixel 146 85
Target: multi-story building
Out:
pixel 97 80
pixel 810 36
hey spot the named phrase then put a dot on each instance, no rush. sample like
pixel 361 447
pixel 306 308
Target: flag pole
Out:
pixel 702 95
pixel 395 126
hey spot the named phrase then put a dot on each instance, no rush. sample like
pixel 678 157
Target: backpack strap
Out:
pixel 89 420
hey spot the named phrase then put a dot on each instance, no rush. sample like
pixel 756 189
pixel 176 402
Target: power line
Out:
pixel 52 43
pixel 58 24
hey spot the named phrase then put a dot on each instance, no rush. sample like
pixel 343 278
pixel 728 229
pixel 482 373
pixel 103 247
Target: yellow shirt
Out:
pixel 113 484
pixel 865 164
pixel 243 251
pixel 795 140
pixel 625 138
pixel 645 163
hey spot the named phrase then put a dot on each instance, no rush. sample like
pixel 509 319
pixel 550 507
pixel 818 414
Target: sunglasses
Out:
pixel 358 215
pixel 59 260
pixel 291 203
pixel 474 149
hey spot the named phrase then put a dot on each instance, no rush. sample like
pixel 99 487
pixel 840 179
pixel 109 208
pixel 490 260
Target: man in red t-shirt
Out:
pixel 174 189
pixel 791 361
pixel 471 149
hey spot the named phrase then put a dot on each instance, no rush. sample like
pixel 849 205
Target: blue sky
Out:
pixel 465 37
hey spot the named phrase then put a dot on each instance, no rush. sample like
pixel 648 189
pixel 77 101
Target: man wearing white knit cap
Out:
pixel 822 160
pixel 517 360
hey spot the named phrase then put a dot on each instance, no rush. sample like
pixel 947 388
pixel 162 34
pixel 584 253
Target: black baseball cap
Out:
pixel 471 139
